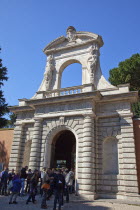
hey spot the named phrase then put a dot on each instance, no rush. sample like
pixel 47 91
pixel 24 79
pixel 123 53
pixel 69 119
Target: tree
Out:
pixel 3 104
pixel 11 121
pixel 128 71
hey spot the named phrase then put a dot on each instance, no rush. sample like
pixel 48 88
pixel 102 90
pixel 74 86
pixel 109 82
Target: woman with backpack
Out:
pixel 15 189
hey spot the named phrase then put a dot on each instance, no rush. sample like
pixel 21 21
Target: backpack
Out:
pixel 10 185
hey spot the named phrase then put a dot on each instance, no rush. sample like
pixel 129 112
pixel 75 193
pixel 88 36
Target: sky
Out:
pixel 27 26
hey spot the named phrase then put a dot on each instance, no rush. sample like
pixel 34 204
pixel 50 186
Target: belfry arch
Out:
pixel 72 76
pixel 92 111
pixel 63 68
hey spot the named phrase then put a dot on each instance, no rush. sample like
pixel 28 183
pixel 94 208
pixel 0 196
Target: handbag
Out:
pixel 10 185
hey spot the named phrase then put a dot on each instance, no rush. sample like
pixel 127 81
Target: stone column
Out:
pixel 87 186
pixel 129 170
pixel 35 146
pixel 15 159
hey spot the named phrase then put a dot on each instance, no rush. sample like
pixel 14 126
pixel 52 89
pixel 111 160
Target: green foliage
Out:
pixel 11 121
pixel 128 71
pixel 3 104
pixel 136 109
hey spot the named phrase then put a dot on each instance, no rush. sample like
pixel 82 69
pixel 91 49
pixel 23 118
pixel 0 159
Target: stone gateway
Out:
pixel 87 127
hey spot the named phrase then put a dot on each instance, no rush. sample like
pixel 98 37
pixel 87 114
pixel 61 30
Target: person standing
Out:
pixel 29 175
pixel 51 175
pixel 10 177
pixel 59 186
pixel 4 180
pixel 15 189
pixel 45 187
pixel 71 179
pixel 1 172
pixel 33 186
pixel 23 176
pixel 67 180
pixel 42 174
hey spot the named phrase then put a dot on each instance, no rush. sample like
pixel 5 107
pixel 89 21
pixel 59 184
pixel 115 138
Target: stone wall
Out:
pixel 105 130
pixel 6 139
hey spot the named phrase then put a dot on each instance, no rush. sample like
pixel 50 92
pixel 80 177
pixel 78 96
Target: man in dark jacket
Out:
pixel 59 186
pixel 4 180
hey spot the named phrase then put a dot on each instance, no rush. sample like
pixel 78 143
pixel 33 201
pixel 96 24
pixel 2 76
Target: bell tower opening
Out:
pixel 72 75
pixel 64 150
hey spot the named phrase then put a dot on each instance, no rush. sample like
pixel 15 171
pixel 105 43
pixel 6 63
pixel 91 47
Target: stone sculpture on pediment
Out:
pixel 49 71
pixel 93 61
pixel 71 34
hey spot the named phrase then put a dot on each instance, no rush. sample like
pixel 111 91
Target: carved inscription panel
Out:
pixel 64 107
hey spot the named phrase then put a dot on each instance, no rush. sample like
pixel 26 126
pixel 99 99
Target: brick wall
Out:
pixel 6 139
pixel 136 123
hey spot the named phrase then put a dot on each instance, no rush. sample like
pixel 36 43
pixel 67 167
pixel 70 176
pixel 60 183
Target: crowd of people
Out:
pixel 48 182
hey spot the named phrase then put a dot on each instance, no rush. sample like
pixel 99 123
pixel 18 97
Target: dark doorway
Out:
pixel 64 150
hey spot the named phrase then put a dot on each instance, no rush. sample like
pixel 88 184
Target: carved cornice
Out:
pixel 129 96
pixel 67 98
pixel 20 108
pixel 58 40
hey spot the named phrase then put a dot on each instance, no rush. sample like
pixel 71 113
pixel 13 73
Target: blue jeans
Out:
pixel 22 185
pixel 58 197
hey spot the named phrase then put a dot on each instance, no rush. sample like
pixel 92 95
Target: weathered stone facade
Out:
pixel 97 113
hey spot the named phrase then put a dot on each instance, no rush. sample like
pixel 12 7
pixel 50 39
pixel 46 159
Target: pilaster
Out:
pixel 129 158
pixel 15 159
pixel 36 145
pixel 87 185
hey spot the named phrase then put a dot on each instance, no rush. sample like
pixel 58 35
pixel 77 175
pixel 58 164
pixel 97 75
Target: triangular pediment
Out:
pixel 81 38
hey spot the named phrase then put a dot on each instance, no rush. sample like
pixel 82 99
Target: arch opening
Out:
pixel 63 152
pixel 71 75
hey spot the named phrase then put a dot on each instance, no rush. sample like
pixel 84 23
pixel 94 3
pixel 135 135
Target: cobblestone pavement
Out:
pixel 73 205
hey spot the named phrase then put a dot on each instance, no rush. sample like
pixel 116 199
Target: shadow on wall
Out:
pixel 3 154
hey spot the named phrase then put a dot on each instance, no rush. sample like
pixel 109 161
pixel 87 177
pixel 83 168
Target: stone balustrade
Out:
pixel 67 91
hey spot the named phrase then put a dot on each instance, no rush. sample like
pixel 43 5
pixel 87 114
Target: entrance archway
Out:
pixel 64 150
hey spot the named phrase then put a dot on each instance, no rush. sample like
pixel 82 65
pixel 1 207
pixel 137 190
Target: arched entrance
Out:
pixel 63 150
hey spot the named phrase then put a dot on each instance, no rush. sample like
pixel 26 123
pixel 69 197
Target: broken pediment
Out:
pixel 73 39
